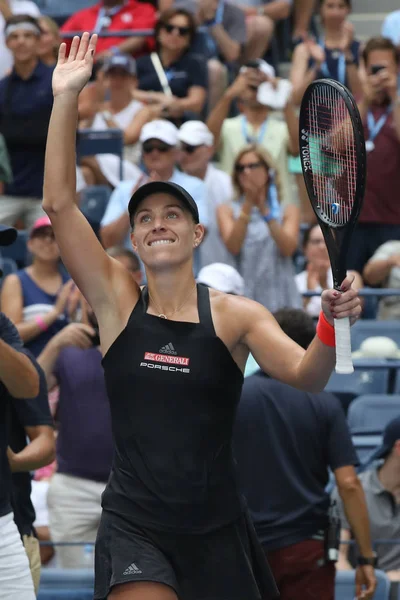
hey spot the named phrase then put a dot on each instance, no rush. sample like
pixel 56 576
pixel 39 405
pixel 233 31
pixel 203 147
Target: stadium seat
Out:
pixel 345 586
pixel 371 413
pixel 365 445
pixel 396 389
pixel 7 266
pixel 94 200
pixel 18 251
pixel 109 141
pixel 68 584
pixel 369 328
pixel 363 381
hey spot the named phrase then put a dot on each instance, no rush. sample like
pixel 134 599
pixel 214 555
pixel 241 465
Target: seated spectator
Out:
pixel 8 8
pixel 381 484
pixel 26 99
pixel 173 79
pixel 130 261
pixel 115 15
pixel 35 298
pixel 261 17
pixel 220 39
pixel 72 360
pixel 29 420
pixel 160 155
pixel 391 27
pixel 379 106
pixel 259 232
pixel 334 55
pixel 257 123
pixel 119 111
pixel 197 149
pixel 50 41
pixel 317 275
pixel 383 269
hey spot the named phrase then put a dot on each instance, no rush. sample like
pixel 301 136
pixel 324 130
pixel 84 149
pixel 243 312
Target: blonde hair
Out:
pixel 54 29
pixel 265 158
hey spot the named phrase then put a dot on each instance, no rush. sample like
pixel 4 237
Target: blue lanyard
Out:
pixel 374 127
pixel 261 133
pixel 341 74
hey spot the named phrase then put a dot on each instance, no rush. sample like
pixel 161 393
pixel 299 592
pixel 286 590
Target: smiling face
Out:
pixel 164 233
pixel 42 245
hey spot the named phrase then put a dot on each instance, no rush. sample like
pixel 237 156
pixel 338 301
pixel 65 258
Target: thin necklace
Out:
pixel 162 315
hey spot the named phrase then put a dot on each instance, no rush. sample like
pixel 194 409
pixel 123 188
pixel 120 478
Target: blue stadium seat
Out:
pixel 94 200
pixel 68 584
pixel 371 413
pixel 365 445
pixel 60 8
pixel 109 141
pixel 8 265
pixel 396 389
pixel 345 586
pixel 363 381
pixel 368 328
pixel 18 251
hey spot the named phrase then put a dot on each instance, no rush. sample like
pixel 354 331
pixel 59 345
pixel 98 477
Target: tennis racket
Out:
pixel 333 160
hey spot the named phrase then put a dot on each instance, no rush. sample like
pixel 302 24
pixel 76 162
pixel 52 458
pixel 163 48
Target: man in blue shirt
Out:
pixel 285 440
pixel 160 142
pixel 25 105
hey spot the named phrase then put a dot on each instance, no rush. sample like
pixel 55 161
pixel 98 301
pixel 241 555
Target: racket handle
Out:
pixel 344 362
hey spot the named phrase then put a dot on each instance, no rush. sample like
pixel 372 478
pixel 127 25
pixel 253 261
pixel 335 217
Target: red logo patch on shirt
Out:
pixel 167 359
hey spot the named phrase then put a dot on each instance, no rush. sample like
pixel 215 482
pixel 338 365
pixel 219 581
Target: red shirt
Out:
pixel 381 201
pixel 132 15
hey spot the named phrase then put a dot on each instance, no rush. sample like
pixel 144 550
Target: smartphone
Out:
pixel 376 68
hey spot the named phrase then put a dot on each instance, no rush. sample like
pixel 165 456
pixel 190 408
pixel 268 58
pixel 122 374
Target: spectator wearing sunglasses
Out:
pixel 260 233
pixel 197 149
pixel 173 78
pixel 160 155
pixel 115 15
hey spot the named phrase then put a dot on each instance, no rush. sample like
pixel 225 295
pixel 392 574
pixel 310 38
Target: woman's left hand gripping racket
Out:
pixel 333 159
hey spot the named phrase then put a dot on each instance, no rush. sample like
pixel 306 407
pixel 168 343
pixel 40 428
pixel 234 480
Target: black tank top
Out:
pixel 173 388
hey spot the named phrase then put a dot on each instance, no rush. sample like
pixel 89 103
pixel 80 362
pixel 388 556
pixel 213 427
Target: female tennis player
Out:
pixel 173 523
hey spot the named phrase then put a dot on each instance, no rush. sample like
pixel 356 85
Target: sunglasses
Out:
pixel 250 166
pixel 188 148
pixel 149 147
pixel 182 31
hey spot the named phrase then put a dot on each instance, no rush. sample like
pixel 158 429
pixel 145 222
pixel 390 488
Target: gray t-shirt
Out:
pixel 384 517
pixel 233 20
pixel 389 308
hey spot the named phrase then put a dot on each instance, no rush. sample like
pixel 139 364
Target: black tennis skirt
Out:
pixel 225 564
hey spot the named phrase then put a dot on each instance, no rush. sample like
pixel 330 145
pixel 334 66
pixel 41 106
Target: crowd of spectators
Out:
pixel 199 103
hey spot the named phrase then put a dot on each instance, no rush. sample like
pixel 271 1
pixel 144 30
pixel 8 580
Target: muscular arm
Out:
pixel 39 453
pixel 18 373
pixel 97 275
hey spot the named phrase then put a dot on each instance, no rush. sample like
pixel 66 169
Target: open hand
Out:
pixel 72 74
pixel 338 305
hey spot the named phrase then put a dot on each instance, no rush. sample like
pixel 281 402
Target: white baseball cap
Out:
pixel 160 129
pixel 196 133
pixel 223 278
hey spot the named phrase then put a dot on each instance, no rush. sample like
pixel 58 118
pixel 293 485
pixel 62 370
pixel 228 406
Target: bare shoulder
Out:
pixel 237 313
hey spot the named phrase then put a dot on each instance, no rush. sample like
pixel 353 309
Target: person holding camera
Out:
pixel 379 106
pixel 72 360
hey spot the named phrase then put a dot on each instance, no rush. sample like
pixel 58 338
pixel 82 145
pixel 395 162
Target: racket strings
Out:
pixel 333 155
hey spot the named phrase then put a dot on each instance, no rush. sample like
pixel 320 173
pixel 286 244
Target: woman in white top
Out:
pixel 119 111
pixel 317 276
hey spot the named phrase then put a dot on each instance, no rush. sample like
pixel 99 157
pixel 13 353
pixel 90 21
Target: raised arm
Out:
pixel 282 358
pixel 96 274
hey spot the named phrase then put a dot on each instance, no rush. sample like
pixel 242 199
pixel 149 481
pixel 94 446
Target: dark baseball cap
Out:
pixel 165 187
pixel 121 61
pixel 390 437
pixel 8 235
